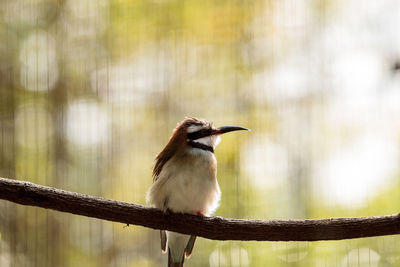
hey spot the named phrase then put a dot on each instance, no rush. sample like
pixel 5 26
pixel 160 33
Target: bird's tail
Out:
pixel 175 264
pixel 179 247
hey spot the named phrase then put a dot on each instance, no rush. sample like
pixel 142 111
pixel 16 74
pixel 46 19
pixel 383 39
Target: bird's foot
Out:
pixel 167 211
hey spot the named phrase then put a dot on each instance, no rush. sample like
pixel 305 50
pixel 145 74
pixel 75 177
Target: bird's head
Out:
pixel 192 133
pixel 201 133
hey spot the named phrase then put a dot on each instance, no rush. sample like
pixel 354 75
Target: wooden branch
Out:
pixel 217 228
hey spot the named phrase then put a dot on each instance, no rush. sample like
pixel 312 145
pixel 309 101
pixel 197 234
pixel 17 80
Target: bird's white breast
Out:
pixel 187 183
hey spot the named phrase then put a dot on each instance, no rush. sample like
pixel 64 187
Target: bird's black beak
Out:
pixel 207 132
pixel 227 129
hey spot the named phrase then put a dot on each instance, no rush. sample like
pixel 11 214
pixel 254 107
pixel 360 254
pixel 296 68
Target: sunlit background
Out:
pixel 91 90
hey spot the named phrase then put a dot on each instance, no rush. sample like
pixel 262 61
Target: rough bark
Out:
pixel 26 193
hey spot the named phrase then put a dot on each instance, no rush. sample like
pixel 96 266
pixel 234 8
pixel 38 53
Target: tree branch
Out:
pixel 217 228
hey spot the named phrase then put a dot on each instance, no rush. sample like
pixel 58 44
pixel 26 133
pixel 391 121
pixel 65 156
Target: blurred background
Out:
pixel 91 90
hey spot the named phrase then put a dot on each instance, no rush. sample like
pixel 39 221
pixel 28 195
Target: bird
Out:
pixel 185 180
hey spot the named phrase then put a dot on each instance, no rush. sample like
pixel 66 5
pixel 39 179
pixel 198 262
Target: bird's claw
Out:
pixel 167 212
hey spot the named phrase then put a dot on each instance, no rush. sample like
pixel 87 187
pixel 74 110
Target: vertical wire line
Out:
pixel 36 131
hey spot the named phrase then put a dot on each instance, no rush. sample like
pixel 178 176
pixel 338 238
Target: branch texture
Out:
pixel 26 193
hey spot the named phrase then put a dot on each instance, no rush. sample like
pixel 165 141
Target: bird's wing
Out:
pixel 189 246
pixel 163 237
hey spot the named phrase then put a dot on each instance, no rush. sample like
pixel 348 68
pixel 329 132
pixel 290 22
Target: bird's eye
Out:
pixel 199 134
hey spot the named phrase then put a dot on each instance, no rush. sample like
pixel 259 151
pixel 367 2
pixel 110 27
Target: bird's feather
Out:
pixel 163 237
pixel 189 246
pixel 175 144
pixel 171 263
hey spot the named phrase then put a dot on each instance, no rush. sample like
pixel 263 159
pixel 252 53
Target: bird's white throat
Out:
pixel 211 141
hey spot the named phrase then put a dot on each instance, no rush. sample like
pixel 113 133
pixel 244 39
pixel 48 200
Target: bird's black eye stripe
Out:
pixel 199 134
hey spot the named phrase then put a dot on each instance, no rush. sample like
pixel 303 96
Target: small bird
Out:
pixel 185 180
